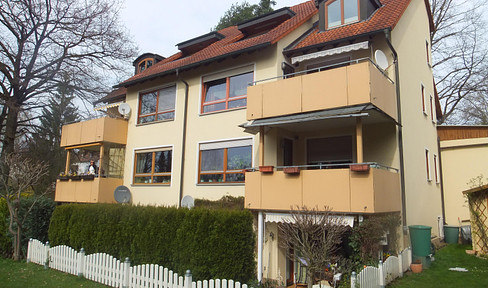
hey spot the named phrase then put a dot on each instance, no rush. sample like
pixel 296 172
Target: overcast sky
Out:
pixel 158 25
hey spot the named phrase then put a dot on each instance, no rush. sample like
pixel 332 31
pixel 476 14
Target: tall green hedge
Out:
pixel 211 243
pixel 5 240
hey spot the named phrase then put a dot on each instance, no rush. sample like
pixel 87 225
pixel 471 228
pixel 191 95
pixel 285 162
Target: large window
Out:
pixel 223 162
pixel 340 12
pixel 153 167
pixel 226 93
pixel 157 105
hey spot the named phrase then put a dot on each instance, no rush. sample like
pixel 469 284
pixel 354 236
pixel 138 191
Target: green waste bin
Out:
pixel 420 239
pixel 451 234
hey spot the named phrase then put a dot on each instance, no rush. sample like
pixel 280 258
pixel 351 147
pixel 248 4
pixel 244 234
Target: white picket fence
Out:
pixel 106 269
pixel 385 273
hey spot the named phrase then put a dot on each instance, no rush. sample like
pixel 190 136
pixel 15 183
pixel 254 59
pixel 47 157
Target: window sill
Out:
pixel 220 184
pixel 150 185
pixel 222 111
pixel 154 122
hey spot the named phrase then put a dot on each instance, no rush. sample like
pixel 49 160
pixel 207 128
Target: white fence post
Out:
pixel 29 252
pixel 81 263
pixel 400 264
pixel 188 279
pixel 46 263
pixel 126 279
pixel 353 279
pixel 381 274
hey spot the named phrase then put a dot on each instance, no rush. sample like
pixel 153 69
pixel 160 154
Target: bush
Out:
pixel 5 240
pixel 212 243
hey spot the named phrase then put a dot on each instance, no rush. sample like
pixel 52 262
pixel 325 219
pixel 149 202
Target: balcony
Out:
pixel 98 190
pixel 372 190
pixel 356 84
pixel 105 129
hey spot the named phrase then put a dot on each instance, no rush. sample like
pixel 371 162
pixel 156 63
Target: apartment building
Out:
pixel 323 103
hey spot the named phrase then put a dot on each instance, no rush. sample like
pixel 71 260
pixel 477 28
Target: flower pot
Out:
pixel 291 170
pixel 63 178
pixel 359 167
pixel 416 267
pixel 266 169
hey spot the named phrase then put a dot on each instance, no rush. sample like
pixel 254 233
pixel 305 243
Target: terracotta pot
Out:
pixel 291 170
pixel 416 267
pixel 359 167
pixel 266 169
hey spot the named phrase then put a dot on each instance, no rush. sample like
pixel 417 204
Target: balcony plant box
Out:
pixel 87 177
pixel 75 178
pixel 359 167
pixel 266 169
pixel 63 178
pixel 291 170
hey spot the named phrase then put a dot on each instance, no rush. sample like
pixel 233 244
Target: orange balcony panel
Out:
pixel 352 85
pixel 98 190
pixel 375 191
pixel 97 130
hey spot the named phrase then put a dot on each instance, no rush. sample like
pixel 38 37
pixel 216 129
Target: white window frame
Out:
pixel 436 169
pixel 432 109
pixel 427 164
pixel 424 100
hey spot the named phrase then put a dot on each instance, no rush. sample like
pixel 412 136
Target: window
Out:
pixel 436 170
pixel 427 51
pixel 432 111
pixel 340 12
pixel 157 105
pixel 427 164
pixel 223 162
pixel 226 93
pixel 153 167
pixel 145 64
pixel 424 106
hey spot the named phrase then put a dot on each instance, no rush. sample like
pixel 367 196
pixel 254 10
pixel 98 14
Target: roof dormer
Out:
pixel 196 44
pixel 266 22
pixel 335 13
pixel 145 61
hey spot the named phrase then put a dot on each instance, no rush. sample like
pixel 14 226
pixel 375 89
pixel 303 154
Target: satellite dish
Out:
pixel 124 109
pixel 122 194
pixel 381 59
pixel 187 202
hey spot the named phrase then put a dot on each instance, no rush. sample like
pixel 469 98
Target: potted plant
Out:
pixel 266 169
pixel 291 170
pixel 416 266
pixel 359 167
pixel 63 177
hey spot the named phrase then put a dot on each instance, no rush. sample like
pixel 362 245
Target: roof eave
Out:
pixel 190 66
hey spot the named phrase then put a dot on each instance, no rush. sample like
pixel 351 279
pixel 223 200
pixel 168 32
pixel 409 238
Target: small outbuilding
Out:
pixel 478 210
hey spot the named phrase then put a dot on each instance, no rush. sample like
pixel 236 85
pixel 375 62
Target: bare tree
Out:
pixel 17 176
pixel 459 52
pixel 315 236
pixel 42 41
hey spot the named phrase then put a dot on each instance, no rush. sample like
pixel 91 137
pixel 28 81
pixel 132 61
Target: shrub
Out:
pixel 5 240
pixel 212 243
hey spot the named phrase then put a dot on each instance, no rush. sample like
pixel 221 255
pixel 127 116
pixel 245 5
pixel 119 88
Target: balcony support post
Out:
pixel 101 161
pixel 359 140
pixel 66 169
pixel 261 146
pixel 260 245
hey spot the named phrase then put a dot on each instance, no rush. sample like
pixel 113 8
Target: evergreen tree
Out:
pixel 240 12
pixel 44 145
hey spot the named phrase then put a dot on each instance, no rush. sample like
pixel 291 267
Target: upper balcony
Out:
pixel 363 188
pixel 358 83
pixel 104 129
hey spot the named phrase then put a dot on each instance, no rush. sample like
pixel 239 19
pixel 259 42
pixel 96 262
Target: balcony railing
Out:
pixel 97 190
pixel 359 188
pixel 104 129
pixel 360 82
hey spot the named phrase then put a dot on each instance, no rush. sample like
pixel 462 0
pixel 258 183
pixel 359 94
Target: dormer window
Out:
pixel 340 12
pixel 145 64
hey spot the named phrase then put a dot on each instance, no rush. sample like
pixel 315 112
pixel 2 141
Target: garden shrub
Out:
pixel 5 240
pixel 212 243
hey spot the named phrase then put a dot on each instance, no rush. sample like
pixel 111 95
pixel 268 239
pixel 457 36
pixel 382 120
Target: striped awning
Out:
pixel 287 218
pixel 329 52
pixel 108 106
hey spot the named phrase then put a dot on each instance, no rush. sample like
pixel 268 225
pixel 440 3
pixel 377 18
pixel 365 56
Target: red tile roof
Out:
pixel 232 44
pixel 117 94
pixel 387 16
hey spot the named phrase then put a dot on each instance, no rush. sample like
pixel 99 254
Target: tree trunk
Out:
pixel 17 245
pixel 10 129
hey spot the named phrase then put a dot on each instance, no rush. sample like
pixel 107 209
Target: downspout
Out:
pixel 183 139
pixel 400 128
pixel 441 180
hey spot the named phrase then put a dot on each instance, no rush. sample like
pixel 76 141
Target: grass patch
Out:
pixel 438 275
pixel 20 274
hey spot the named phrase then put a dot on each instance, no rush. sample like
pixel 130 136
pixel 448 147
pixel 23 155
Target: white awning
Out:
pixel 286 217
pixel 329 52
pixel 108 106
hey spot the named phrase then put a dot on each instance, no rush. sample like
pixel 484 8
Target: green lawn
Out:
pixel 20 274
pixel 438 275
